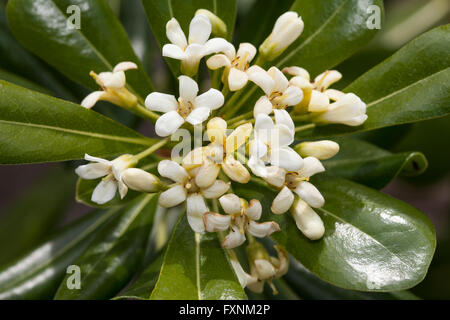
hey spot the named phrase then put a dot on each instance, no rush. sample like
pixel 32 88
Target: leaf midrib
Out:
pixel 138 141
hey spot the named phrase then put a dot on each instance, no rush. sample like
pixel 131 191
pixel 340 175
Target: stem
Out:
pixel 305 117
pixel 150 150
pixel 225 90
pixel 145 113
pixel 305 127
pixel 241 117
pixel 238 105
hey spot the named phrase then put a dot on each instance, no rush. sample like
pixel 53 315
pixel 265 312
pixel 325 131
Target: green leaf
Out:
pixel 37 274
pixel 334 30
pixel 309 286
pixel 30 219
pixel 101 42
pixel 20 81
pixel 367 164
pixel 144 284
pixel 38 128
pixel 159 12
pixel 372 242
pixel 115 254
pixel 412 85
pixel 195 267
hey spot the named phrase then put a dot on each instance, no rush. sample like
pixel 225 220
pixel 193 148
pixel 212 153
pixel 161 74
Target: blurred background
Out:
pixel 51 187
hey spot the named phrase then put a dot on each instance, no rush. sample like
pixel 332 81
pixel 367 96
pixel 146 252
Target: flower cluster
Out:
pixel 256 145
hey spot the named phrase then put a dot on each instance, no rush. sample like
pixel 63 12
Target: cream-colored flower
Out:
pixel 237 65
pixel 191 51
pixel 265 268
pixel 185 189
pixel 322 150
pixel 349 110
pixel 141 180
pixel 219 154
pixel 271 144
pixel 188 108
pixel 287 29
pixel 112 171
pixel 113 87
pixel 240 217
pixel 279 93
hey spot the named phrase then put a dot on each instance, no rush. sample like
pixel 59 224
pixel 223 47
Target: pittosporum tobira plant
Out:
pixel 256 181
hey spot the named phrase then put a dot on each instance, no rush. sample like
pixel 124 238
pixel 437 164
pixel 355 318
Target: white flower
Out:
pixel 307 220
pixel 265 268
pixel 240 217
pixel 287 29
pixel 349 110
pixel 219 28
pixel 184 189
pixel 113 86
pixel 112 171
pixel 297 182
pixel 191 51
pixel 189 107
pixel 219 154
pixel 271 144
pixel 279 94
pixel 140 180
pixel 236 65
pixel 322 150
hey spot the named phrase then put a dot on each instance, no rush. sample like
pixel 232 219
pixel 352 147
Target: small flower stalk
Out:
pixel 254 148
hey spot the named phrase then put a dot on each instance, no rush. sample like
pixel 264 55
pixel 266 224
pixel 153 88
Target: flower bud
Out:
pixel 321 150
pixel 307 220
pixel 348 110
pixel 287 29
pixel 219 28
pixel 140 180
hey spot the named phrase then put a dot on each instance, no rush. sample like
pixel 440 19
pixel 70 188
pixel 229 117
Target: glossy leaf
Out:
pixel 101 42
pixel 334 30
pixel 144 284
pixel 35 213
pixel 20 81
pixel 195 267
pixel 367 164
pixel 412 85
pixel 372 242
pixel 309 286
pixel 115 254
pixel 159 12
pixel 37 274
pixel 38 128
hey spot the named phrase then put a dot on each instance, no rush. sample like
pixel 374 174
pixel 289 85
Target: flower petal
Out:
pixel 326 79
pixel 168 123
pixel 283 201
pixel 310 194
pixel 283 117
pixel 96 159
pixel 238 137
pixel 248 50
pixel 293 96
pixel 194 158
pixel 254 210
pixel 276 176
pixel 237 79
pixel 211 99
pixel 218 61
pixel 215 222
pixel 173 51
pixel 199 29
pixel 175 34
pixel 195 209
pixel 286 158
pixel 217 130
pixel 261 230
pixel 307 220
pixel 161 102
pixel 297 71
pixel 123 189
pixel 93 170
pixel 311 166
pixel 117 80
pixel 234 239
pixel 264 269
pixel 207 174
pixel 217 189
pixel 172 170
pixel 235 170
pixel 105 191
pixel 92 99
pixel 230 203
pixel 124 66
pixel 262 80
pixel 172 197
pixel 198 115
pixel 264 127
pixel 318 102
pixel 188 88
pixel 217 45
pixel 257 166
pixel 281 82
pixel 262 106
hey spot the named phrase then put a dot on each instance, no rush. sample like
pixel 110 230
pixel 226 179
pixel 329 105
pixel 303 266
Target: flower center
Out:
pixel 184 108
pixel 191 186
pixel 241 63
pixel 292 179
pixel 277 98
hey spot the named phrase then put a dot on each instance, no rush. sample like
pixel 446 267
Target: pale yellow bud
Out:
pixel 140 180
pixel 321 150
